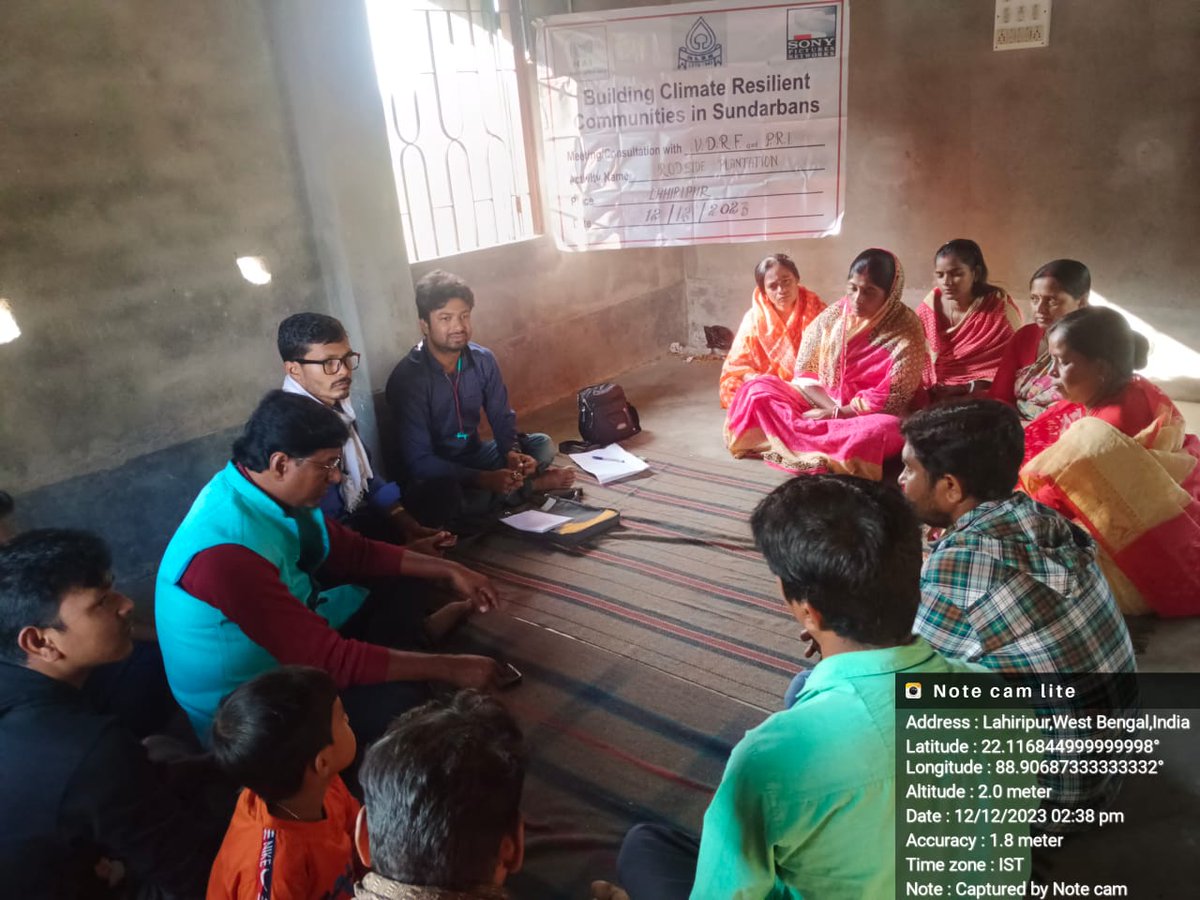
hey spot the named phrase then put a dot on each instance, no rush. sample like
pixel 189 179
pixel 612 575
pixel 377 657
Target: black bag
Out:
pixel 587 522
pixel 605 415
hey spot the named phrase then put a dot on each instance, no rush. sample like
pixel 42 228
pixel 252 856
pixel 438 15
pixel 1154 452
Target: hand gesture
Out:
pixel 479 672
pixel 818 413
pixel 474 587
pixel 521 462
pixel 500 481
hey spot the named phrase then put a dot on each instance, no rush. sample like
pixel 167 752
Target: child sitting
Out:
pixel 285 737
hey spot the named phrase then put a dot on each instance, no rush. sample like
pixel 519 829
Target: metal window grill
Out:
pixel 450 87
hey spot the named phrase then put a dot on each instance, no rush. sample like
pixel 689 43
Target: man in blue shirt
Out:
pixel 437 393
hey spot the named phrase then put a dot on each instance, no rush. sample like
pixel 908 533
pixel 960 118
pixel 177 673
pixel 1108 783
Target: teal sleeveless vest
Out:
pixel 206 655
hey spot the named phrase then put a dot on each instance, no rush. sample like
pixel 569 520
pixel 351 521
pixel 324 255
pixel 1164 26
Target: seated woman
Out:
pixel 858 367
pixel 1023 380
pixel 1114 457
pixel 968 323
pixel 769 336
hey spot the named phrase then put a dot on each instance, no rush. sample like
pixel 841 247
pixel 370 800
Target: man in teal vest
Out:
pixel 256 576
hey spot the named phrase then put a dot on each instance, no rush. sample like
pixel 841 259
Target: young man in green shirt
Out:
pixel 806 807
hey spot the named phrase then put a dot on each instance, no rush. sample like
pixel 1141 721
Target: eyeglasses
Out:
pixel 333 366
pixel 330 468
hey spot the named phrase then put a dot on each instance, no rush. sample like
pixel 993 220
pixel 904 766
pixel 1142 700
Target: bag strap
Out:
pixel 577 447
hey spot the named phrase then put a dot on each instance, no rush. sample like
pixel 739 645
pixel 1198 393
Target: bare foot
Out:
pixel 554 479
pixel 434 544
pixel 441 622
pixel 603 890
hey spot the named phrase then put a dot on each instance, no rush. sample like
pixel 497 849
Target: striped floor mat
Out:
pixel 678 588
pixel 612 743
pixel 646 656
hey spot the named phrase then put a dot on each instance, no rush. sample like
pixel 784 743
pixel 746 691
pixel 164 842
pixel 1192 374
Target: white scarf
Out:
pixel 356 466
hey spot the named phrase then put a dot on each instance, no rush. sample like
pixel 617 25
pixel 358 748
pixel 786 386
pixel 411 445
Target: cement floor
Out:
pixel 677 403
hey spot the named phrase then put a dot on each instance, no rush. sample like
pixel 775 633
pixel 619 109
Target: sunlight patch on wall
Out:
pixel 1169 359
pixel 9 331
pixel 254 269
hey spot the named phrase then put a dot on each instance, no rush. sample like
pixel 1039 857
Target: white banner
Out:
pixel 694 123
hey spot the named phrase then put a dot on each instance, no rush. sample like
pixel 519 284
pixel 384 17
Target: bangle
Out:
pixel 837 411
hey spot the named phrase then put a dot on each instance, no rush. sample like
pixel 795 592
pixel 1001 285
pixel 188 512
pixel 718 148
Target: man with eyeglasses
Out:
pixel 319 363
pixel 258 576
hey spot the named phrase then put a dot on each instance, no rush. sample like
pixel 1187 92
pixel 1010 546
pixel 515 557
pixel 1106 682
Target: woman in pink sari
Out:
pixel 1114 456
pixel 858 368
pixel 1024 379
pixel 770 333
pixel 968 323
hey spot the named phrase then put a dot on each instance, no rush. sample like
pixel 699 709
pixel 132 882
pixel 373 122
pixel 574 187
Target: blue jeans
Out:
pixel 489 457
pixel 445 503
pixel 478 502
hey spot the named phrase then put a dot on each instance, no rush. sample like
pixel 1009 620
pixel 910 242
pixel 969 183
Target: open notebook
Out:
pixel 609 464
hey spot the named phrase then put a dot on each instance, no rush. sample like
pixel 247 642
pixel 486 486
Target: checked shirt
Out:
pixel 1015 587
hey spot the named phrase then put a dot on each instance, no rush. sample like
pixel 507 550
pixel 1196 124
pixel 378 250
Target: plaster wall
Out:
pixel 147 146
pixel 144 149
pixel 1088 149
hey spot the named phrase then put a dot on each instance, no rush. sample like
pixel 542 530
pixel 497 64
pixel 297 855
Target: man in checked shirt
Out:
pixel 1014 586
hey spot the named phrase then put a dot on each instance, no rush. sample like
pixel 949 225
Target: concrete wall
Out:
pixel 1087 149
pixel 145 147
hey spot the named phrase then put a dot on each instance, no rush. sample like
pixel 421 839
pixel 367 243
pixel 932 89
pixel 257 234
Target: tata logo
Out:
pixel 700 49
pixel 812 32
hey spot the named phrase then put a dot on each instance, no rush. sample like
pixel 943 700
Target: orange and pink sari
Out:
pixel 872 364
pixel 972 348
pixel 1128 473
pixel 766 342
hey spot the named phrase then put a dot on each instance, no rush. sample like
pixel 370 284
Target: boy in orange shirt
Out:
pixel 285 736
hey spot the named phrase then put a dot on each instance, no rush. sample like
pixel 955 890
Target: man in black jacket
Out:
pixel 77 791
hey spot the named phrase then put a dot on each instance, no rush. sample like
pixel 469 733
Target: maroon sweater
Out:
pixel 246 588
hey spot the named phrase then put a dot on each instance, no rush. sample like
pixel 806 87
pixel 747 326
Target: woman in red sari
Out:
pixel 770 333
pixel 858 368
pixel 1024 379
pixel 1114 456
pixel 968 323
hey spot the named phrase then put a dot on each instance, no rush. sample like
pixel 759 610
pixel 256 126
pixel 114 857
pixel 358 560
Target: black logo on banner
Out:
pixel 700 48
pixel 812 32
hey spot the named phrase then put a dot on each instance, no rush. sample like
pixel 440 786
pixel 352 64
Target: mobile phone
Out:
pixel 509 677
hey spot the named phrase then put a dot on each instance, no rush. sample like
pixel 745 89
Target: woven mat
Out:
pixel 678 588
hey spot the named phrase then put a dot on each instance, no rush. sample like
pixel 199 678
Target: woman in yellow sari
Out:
pixel 770 333
pixel 1115 457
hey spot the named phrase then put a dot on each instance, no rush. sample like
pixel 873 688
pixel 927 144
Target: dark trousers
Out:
pixel 465 509
pixel 392 615
pixel 658 863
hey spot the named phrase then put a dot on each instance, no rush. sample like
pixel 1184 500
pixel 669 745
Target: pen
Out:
pixel 608 459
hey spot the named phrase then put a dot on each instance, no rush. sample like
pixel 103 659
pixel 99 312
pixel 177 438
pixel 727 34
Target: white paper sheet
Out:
pixel 535 521
pixel 609 464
